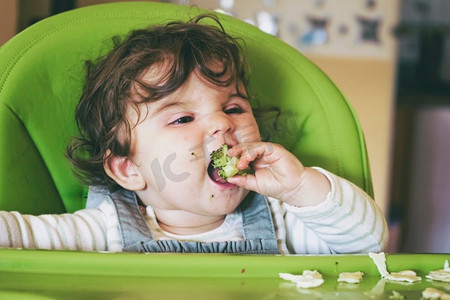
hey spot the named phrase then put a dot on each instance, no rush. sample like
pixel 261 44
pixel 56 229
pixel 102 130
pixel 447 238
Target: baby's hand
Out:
pixel 279 174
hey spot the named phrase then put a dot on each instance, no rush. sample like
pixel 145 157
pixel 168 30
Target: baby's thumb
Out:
pixel 248 182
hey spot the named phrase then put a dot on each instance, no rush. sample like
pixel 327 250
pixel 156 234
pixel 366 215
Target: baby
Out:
pixel 152 111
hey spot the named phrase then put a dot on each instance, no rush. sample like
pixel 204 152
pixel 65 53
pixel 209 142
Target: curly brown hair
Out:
pixel 112 81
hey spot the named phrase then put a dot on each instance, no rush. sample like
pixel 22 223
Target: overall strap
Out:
pixel 133 227
pixel 256 218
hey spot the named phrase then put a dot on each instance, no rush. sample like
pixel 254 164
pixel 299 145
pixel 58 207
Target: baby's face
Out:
pixel 171 147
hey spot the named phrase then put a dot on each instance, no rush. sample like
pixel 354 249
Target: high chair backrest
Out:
pixel 42 73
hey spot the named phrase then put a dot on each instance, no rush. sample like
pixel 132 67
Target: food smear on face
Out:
pixel 225 165
pixel 308 279
pixel 440 275
pixel 351 277
pixel 406 276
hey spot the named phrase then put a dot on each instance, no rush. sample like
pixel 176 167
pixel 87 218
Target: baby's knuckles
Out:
pixel 277 171
pixel 281 175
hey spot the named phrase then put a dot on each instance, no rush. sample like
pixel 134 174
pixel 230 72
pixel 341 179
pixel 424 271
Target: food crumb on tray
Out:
pixel 432 293
pixel 440 275
pixel 403 276
pixel 396 296
pixel 309 279
pixel 351 277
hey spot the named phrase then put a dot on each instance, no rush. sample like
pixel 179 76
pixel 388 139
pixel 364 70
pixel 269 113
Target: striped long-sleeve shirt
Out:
pixel 348 221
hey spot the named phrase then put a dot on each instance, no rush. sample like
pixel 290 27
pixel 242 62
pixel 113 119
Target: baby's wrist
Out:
pixel 312 190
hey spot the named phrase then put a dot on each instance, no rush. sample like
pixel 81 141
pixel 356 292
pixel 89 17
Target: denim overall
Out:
pixel 258 229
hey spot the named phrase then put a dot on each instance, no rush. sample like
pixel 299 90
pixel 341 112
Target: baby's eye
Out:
pixel 234 110
pixel 182 120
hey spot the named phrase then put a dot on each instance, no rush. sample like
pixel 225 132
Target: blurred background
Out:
pixel 391 58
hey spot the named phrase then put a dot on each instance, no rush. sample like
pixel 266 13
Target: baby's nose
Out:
pixel 219 123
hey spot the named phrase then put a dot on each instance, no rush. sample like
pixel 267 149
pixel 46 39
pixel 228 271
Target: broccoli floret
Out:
pixel 227 164
pixel 219 157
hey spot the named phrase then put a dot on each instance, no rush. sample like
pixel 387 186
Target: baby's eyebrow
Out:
pixel 159 107
pixel 236 95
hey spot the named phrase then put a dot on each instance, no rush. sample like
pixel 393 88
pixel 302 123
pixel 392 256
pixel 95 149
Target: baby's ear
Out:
pixel 123 171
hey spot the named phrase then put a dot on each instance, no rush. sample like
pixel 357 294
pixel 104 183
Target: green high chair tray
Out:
pixel 41 76
pixel 41 274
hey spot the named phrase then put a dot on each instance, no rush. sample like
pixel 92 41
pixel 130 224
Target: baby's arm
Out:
pixel 279 174
pixel 84 230
pixel 324 213
pixel 348 221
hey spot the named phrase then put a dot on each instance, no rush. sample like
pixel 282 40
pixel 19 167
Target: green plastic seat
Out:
pixel 42 73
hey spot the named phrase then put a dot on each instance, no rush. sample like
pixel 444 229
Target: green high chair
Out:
pixel 42 73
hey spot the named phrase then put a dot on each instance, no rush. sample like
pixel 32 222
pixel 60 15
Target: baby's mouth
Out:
pixel 214 175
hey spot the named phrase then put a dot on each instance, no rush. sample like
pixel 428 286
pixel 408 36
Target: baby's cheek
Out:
pixel 179 167
pixel 248 134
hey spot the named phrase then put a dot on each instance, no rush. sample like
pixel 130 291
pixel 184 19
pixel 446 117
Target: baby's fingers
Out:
pixel 248 182
pixel 250 152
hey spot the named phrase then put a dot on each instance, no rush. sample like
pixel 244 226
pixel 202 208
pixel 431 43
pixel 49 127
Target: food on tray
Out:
pixel 308 279
pixel 351 277
pixel 380 261
pixel 406 276
pixel 311 279
pixel 396 296
pixel 432 293
pixel 441 275
pixel 227 164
